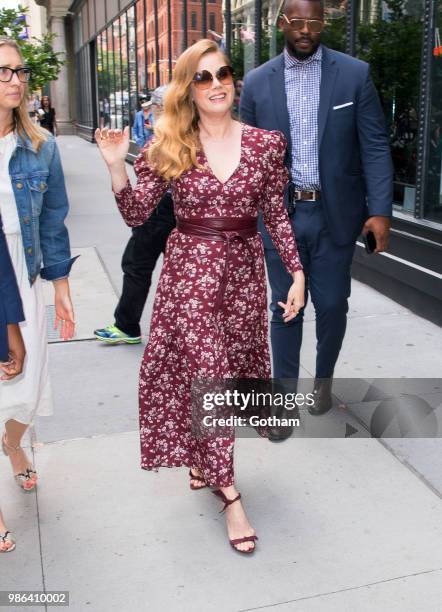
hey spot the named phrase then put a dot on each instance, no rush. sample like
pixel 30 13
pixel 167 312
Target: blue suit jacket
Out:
pixel 11 310
pixel 355 165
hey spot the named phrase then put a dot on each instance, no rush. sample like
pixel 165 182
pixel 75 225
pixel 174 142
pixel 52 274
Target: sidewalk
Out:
pixel 343 525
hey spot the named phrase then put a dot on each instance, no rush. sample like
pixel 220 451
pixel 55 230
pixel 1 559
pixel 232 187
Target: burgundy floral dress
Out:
pixel 188 338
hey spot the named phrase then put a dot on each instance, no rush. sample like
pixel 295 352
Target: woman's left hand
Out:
pixel 64 311
pixel 295 297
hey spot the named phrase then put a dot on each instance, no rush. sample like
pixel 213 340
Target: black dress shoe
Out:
pixel 278 433
pixel 322 396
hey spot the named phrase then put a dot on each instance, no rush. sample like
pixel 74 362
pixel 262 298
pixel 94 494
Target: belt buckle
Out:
pixel 298 195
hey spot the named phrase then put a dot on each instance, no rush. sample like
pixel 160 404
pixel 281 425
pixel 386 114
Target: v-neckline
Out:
pixel 209 168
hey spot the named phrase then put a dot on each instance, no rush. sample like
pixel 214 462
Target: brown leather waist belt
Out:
pixel 221 229
pixel 308 196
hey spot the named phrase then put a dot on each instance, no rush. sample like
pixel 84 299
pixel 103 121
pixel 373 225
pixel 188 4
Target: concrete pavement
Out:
pixel 344 524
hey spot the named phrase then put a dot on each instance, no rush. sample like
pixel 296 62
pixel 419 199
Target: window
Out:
pixel 141 56
pixel 78 32
pixel 132 64
pixel 116 94
pixel 212 22
pixel 398 88
pixel 124 71
pixel 433 195
pixel 193 22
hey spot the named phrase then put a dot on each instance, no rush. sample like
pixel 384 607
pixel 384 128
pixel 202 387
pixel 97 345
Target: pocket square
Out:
pixel 342 105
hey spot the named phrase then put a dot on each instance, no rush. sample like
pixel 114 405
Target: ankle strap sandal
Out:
pixel 236 541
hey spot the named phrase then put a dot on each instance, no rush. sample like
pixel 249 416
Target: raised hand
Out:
pixel 113 145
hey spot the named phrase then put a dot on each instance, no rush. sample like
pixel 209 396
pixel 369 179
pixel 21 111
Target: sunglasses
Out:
pixel 314 25
pixel 204 79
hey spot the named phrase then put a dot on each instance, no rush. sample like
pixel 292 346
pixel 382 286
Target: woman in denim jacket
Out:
pixel 33 206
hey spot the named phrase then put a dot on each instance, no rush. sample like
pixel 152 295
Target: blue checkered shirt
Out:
pixel 302 82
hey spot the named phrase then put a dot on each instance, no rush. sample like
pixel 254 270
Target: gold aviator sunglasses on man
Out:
pixel 314 25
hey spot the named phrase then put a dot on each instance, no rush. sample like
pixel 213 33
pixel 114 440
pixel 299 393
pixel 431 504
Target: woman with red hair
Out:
pixel 210 312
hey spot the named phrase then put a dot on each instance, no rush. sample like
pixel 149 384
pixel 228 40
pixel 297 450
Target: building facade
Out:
pixel 119 50
pixel 35 18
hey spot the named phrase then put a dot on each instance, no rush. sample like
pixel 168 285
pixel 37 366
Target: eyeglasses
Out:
pixel 314 25
pixel 6 74
pixel 204 79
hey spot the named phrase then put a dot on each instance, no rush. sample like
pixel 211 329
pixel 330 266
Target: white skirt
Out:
pixel 29 394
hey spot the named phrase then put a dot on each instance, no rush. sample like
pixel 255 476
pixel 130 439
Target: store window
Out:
pixel 78 32
pixel 212 21
pixel 389 38
pixel 113 69
pixel 124 70
pixel 102 82
pixel 108 66
pixel 141 49
pixel 433 192
pixel 243 38
pixel 151 44
pixel 334 34
pixel 132 63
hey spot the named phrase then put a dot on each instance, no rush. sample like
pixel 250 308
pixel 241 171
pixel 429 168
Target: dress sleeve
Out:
pixel 136 204
pixel 274 213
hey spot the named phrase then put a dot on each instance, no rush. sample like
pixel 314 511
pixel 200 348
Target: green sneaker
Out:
pixel 112 335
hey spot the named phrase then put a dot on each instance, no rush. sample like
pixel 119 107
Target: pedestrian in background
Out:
pixel 33 206
pixel 46 116
pixel 146 244
pixel 33 106
pixel 210 311
pixel 142 129
pixel 106 112
pixel 12 348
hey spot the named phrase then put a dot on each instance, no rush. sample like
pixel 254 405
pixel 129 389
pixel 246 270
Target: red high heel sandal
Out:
pixel 234 543
pixel 199 479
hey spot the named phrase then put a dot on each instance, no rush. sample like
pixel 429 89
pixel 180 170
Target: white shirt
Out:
pixel 8 207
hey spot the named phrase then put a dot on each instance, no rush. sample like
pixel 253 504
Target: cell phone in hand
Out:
pixel 370 242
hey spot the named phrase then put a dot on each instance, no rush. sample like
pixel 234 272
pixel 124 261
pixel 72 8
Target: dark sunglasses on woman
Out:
pixel 204 79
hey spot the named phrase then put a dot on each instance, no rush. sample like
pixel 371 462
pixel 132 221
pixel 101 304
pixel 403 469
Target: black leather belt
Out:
pixel 307 196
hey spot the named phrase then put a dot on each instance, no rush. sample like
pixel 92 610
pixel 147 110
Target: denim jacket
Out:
pixel 40 194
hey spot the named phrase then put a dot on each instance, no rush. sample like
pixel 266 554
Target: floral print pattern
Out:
pixel 188 339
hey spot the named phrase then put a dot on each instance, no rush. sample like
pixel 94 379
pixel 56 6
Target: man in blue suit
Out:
pixel 341 179
pixel 12 350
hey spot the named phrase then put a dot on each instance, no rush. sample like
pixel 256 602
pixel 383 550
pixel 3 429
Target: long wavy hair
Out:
pixel 176 141
pixel 21 120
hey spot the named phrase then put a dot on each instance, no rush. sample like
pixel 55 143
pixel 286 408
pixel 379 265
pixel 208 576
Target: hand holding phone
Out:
pixel 370 242
pixel 379 228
